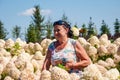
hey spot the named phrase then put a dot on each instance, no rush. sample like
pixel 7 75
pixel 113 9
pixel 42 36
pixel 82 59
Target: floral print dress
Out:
pixel 67 54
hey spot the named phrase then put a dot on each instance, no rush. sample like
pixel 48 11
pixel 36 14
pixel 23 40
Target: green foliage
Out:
pixel 3 31
pixel 37 22
pixel 62 67
pixel 3 75
pixel 104 57
pixel 49 28
pixel 91 29
pixel 117 26
pixel 104 28
pixel 15 49
pixel 118 67
pixel 31 35
pixel 16 31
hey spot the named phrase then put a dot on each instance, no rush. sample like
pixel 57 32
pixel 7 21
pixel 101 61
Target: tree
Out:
pixel 3 31
pixel 65 18
pixel 83 31
pixel 49 28
pixel 31 35
pixel 37 22
pixel 16 32
pixel 91 28
pixel 104 28
pixel 116 28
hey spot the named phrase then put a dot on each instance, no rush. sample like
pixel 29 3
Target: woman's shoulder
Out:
pixel 73 41
pixel 51 46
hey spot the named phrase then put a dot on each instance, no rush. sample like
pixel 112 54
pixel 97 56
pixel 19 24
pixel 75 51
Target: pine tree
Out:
pixel 104 28
pixel 3 31
pixel 49 28
pixel 117 29
pixel 65 18
pixel 37 22
pixel 31 35
pixel 91 28
pixel 16 32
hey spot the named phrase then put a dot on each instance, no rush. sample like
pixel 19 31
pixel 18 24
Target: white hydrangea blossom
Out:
pixel 45 75
pixel 21 42
pixel 75 31
pixel 102 50
pixel 92 51
pixel 112 48
pixel 35 64
pixel 40 62
pixel 110 62
pixel 117 41
pixel 45 43
pixel 37 74
pixel 26 48
pixel 38 55
pixel 4 53
pixel 116 58
pixel 103 63
pixel 9 44
pixel 101 68
pixel 8 78
pixel 104 40
pixel 14 73
pixel 91 72
pixel 118 50
pixel 21 60
pixel 29 67
pixel 82 41
pixel 57 74
pixel 94 41
pixel 74 76
pixel 112 74
pixel 31 48
pixel 8 67
pixel 38 47
pixel 2 43
pixel 3 62
pixel 1 68
pixel 87 45
pixel 26 75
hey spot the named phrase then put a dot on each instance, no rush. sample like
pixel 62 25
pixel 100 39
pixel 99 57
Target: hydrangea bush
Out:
pixel 23 61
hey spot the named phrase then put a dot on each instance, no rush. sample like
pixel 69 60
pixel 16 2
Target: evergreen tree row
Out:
pixel 38 30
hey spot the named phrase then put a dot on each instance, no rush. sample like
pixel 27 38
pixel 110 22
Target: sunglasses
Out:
pixel 61 22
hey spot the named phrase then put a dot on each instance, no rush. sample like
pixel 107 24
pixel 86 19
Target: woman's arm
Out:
pixel 47 61
pixel 82 56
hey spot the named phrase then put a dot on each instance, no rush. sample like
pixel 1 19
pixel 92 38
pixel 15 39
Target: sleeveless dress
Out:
pixel 68 53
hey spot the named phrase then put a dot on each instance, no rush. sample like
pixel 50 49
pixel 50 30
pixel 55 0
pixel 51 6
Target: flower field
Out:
pixel 23 61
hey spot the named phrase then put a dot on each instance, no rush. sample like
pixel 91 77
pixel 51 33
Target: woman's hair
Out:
pixel 66 25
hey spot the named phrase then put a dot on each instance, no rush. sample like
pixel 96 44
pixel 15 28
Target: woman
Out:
pixel 65 51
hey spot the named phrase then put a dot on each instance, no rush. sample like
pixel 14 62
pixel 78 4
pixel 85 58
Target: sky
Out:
pixel 19 12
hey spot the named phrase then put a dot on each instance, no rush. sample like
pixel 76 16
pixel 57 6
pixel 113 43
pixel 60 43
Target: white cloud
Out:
pixel 30 11
pixel 46 12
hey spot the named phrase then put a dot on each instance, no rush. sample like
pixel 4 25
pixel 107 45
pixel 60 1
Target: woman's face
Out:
pixel 60 31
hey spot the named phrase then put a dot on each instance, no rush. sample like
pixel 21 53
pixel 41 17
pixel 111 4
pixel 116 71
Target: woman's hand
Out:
pixel 69 65
pixel 58 62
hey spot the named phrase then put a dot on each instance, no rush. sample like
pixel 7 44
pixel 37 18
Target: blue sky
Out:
pixel 19 12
